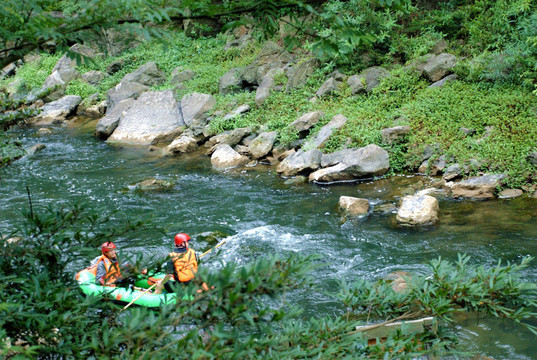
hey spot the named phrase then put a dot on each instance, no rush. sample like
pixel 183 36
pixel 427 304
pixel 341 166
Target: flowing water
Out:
pixel 265 216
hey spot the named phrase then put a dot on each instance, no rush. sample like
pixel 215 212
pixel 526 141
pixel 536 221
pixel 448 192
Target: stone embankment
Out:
pixel 135 115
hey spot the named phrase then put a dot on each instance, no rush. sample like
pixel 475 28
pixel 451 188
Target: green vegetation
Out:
pixel 494 91
pixel 496 46
pixel 44 315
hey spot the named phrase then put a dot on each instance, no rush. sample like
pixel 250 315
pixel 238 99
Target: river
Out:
pixel 265 216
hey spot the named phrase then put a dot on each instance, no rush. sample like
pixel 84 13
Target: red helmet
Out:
pixel 108 246
pixel 181 238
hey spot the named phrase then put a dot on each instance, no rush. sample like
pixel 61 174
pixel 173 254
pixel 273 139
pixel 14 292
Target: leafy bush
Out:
pixel 42 313
pixel 80 88
pixel 450 287
pixel 34 73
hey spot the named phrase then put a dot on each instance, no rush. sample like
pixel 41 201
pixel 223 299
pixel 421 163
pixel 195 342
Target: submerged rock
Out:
pixel 297 180
pixel 35 149
pixel 399 280
pixel 354 206
pixel 153 184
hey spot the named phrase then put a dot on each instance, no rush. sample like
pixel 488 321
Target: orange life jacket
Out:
pixel 112 270
pixel 186 265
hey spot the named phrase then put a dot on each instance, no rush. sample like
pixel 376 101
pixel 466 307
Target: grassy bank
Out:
pixel 503 115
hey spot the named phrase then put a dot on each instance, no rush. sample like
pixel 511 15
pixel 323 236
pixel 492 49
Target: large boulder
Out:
pixel 65 69
pixel 444 81
pixel 271 57
pixel 266 86
pixel 367 80
pixel 236 112
pixel 262 144
pixel 179 75
pixel 452 172
pixel 300 162
pixel 106 125
pixel 229 137
pixel 307 121
pixel 230 82
pixel 154 117
pixel 328 87
pixel 353 206
pixel 57 111
pixel 479 187
pixel 417 210
pixel 225 157
pixel 148 74
pixel 122 91
pixel 183 144
pixel 94 77
pixel 326 131
pixel 299 73
pixel 239 43
pixel 438 66
pixel 350 164
pixel 196 106
pixel 395 134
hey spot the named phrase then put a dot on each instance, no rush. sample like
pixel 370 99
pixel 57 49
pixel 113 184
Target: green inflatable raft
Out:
pixel 86 281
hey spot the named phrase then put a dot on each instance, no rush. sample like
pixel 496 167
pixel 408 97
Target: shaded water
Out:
pixel 265 216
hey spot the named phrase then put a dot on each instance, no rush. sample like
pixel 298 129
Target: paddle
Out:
pixel 139 296
pixel 155 284
pixel 216 247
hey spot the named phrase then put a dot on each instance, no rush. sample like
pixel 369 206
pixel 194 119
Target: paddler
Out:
pixel 183 264
pixel 107 270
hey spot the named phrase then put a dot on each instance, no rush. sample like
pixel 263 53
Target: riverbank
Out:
pixel 483 129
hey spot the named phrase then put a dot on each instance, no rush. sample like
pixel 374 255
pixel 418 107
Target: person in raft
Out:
pixel 183 264
pixel 107 271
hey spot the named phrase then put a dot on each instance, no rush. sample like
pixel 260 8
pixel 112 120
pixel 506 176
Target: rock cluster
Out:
pixel 135 115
